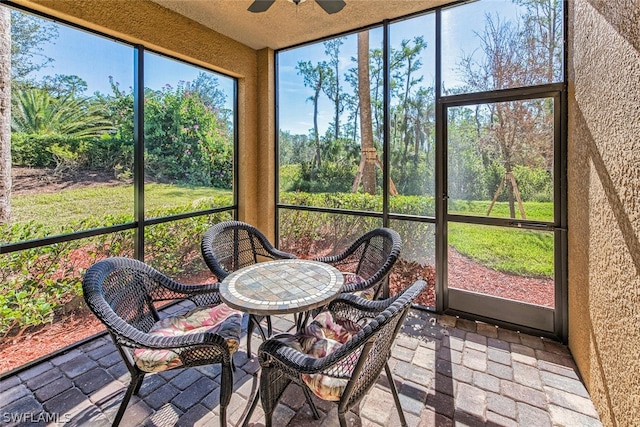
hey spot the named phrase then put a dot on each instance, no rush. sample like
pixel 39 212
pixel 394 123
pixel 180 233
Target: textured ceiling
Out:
pixel 286 24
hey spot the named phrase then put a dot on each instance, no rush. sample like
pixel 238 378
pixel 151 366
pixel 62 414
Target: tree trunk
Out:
pixel 5 115
pixel 316 135
pixel 366 130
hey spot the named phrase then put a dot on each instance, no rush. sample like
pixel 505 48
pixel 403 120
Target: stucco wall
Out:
pixel 161 30
pixel 604 203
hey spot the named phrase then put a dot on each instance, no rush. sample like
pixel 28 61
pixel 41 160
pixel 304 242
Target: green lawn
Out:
pixel 523 252
pixel 68 206
pixel 539 211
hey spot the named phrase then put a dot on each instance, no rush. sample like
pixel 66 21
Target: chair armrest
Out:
pixel 355 308
pixel 205 294
pixel 135 338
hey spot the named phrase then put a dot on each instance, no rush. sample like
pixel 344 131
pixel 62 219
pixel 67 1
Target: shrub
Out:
pixel 112 154
pixel 36 283
pixel 308 232
pixel 332 177
pixel 37 150
pixel 534 184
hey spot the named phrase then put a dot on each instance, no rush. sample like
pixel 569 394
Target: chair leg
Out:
pixel 312 405
pixel 140 376
pixel 134 387
pixel 223 416
pixel 342 419
pixel 254 403
pixel 267 419
pixel 269 327
pixel 392 385
pixel 250 327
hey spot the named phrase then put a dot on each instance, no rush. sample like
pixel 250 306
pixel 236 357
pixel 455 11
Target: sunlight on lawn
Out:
pixel 74 205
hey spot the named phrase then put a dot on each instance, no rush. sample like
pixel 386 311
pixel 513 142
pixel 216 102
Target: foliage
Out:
pixel 507 250
pixel 534 184
pixel 35 284
pixel 28 35
pixel 186 140
pixel 485 142
pixel 330 177
pixel 35 150
pixel 66 159
pixel 171 246
pixel 112 154
pixel 38 112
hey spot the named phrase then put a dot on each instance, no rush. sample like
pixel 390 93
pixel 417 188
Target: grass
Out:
pixel 522 252
pixel 539 211
pixel 74 205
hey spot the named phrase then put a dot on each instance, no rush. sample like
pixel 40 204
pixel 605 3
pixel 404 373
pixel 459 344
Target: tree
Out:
pixel 5 115
pixel 187 139
pixel 28 35
pixel 38 112
pixel 63 84
pixel 407 115
pixel 315 77
pixel 332 87
pixel 22 37
pixel 368 154
pixel 518 131
pixel 543 26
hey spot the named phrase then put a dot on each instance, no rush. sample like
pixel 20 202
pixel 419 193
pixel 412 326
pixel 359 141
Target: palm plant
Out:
pixel 36 112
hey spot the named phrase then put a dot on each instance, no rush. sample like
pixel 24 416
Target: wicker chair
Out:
pixel 366 264
pixel 124 293
pixel 350 368
pixel 231 245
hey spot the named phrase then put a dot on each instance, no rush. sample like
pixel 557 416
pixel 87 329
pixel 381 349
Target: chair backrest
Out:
pixel 379 335
pixel 376 248
pixel 371 256
pixel 121 291
pixel 231 245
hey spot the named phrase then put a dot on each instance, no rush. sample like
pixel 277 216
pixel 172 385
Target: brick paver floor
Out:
pixel 448 372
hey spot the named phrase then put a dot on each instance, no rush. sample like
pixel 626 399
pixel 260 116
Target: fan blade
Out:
pixel 259 6
pixel 331 6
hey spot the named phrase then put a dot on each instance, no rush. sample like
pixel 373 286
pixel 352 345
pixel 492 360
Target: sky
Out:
pixel 95 58
pixel 459 25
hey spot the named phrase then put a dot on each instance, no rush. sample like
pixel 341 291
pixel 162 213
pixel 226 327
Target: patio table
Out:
pixel 282 287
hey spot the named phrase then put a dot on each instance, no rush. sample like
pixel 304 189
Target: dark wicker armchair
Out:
pixel 232 245
pixel 366 264
pixel 124 294
pixel 350 366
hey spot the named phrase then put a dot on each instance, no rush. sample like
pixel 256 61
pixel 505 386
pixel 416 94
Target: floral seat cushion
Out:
pixel 323 336
pixel 219 319
pixel 351 278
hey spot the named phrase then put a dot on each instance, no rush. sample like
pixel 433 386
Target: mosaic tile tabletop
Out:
pixel 282 286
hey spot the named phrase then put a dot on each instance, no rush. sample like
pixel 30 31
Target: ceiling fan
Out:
pixel 329 6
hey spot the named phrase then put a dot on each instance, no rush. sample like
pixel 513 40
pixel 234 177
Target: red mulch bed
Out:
pixel 75 325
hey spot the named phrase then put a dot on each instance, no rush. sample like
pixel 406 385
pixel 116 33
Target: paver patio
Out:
pixel 448 371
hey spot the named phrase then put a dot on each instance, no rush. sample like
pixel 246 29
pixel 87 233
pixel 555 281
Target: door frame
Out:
pixel 528 318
